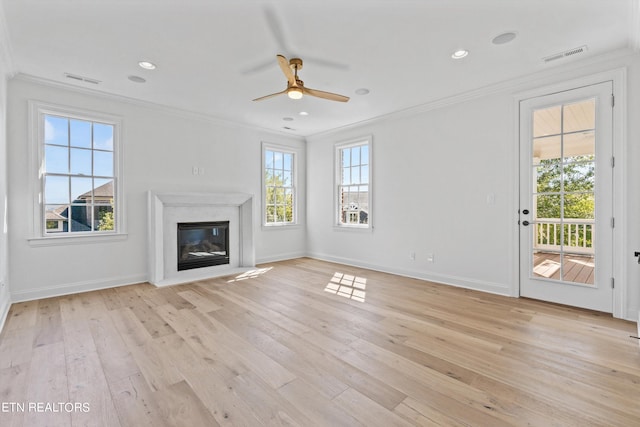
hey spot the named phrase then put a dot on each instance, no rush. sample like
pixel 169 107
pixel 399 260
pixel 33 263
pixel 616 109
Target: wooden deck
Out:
pixel 311 343
pixel 577 268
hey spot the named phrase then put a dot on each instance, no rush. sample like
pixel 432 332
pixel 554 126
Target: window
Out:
pixel 279 185
pixel 353 177
pixel 77 173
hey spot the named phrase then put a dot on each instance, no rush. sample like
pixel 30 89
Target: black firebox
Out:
pixel 202 244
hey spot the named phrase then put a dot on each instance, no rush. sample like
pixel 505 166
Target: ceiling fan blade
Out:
pixel 275 25
pixel 255 69
pixel 270 96
pixel 286 69
pixel 325 95
pixel 326 63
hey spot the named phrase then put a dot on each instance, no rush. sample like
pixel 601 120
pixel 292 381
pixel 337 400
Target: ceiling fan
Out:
pixel 295 87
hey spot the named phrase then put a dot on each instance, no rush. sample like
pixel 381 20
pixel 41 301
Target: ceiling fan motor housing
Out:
pixel 295 63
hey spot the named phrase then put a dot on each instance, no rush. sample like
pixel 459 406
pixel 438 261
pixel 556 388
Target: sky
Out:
pixel 80 148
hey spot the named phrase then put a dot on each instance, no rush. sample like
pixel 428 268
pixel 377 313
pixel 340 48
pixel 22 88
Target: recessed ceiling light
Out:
pixel 137 79
pixel 362 91
pixel 303 113
pixel 147 65
pixel 287 119
pixel 504 37
pixel 459 54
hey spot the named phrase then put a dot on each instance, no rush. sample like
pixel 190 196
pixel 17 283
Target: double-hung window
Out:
pixel 279 191
pixel 77 172
pixel 353 179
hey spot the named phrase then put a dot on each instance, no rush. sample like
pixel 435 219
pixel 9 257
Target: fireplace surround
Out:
pixel 167 209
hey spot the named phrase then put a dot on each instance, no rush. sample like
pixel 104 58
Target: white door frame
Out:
pixel 619 78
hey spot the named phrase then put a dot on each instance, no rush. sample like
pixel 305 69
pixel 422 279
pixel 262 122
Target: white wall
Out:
pixel 5 297
pixel 445 183
pixel 432 174
pixel 160 148
pixel 632 193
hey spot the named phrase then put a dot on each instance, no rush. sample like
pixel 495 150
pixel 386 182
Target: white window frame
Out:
pixel 267 146
pixel 39 237
pixel 337 165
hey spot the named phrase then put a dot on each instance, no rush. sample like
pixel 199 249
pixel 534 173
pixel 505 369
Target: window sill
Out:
pixel 76 240
pixel 271 227
pixel 353 228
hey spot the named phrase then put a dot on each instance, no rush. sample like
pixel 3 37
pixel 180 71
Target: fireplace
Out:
pixel 202 244
pixel 167 210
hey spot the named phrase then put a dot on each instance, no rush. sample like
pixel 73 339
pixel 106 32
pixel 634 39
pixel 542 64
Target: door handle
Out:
pixel 525 222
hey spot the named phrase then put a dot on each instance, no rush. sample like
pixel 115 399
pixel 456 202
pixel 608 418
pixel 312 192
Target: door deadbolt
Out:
pixel 526 211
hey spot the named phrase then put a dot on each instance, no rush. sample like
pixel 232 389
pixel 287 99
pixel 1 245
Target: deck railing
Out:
pixel 574 235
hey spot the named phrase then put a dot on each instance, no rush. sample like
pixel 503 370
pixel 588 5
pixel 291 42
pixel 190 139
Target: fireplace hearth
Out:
pixel 202 244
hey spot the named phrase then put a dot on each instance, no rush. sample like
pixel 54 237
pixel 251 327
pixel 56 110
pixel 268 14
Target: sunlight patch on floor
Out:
pixel 547 268
pixel 582 262
pixel 348 286
pixel 251 274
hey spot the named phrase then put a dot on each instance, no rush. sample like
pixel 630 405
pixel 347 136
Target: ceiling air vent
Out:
pixel 566 53
pixel 81 78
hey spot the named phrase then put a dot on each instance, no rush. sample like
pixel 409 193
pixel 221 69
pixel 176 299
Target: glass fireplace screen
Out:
pixel 202 244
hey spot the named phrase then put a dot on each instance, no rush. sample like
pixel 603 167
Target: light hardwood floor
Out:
pixel 311 343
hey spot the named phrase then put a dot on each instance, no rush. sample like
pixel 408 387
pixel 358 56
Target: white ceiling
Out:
pixel 215 56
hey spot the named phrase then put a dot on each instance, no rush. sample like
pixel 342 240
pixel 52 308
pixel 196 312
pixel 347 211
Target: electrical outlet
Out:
pixel 430 258
pixel 412 256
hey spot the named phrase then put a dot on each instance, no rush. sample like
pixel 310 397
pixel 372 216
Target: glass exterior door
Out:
pixel 566 197
pixel 563 197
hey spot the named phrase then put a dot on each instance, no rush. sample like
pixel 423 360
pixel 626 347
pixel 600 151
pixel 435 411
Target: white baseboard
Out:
pixel 460 282
pixel 281 257
pixel 5 305
pixel 74 288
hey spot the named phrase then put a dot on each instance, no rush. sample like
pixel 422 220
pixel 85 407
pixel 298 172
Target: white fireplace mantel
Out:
pixel 167 209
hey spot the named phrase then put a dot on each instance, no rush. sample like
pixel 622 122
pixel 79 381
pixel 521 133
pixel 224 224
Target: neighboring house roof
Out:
pixel 53 216
pixel 56 214
pixel 103 192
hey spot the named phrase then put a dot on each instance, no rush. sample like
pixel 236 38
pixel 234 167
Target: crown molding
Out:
pixel 174 111
pixel 539 77
pixel 563 71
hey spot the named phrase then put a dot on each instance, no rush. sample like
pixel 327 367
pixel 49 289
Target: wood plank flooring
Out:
pixel 311 343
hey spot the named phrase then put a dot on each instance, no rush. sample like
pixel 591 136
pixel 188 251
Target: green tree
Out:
pixel 576 178
pixel 106 219
pixel 576 181
pixel 279 199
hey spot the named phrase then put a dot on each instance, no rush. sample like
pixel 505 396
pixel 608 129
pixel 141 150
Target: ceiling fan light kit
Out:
pixel 295 87
pixel 294 93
